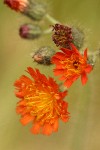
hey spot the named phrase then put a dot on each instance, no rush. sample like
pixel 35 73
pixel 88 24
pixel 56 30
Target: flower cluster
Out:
pixel 42 99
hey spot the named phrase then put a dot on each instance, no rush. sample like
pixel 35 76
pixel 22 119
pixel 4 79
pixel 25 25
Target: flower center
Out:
pixel 76 64
pixel 40 104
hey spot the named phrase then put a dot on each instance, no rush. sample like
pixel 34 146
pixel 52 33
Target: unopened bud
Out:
pixel 43 55
pixel 30 31
pixel 35 10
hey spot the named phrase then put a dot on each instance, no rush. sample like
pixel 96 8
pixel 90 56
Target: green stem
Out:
pixel 51 19
pixel 47 31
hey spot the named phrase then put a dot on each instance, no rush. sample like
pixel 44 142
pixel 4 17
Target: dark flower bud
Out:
pixel 63 36
pixel 43 55
pixel 30 31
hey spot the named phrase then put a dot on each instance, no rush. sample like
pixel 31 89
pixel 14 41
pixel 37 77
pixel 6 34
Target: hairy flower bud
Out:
pixel 30 31
pixel 63 36
pixel 34 10
pixel 43 55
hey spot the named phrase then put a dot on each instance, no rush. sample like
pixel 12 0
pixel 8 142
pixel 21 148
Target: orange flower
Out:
pixel 17 5
pixel 71 64
pixel 41 102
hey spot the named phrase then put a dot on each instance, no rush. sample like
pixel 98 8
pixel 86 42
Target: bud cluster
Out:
pixel 63 35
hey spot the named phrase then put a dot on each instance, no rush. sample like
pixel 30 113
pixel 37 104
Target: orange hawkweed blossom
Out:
pixel 41 102
pixel 17 5
pixel 70 64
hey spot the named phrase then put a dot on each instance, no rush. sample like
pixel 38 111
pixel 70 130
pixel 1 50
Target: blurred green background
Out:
pixel 82 132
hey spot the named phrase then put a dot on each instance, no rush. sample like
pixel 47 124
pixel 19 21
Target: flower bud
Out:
pixel 17 5
pixel 30 31
pixel 63 36
pixel 35 10
pixel 43 55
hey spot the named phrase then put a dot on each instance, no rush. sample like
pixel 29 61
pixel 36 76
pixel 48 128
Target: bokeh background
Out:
pixel 82 132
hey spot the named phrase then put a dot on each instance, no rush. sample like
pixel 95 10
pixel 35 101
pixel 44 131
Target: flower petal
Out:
pixel 55 126
pixel 65 119
pixel 26 119
pixel 63 94
pixel 47 129
pixel 55 60
pixel 88 69
pixel 69 81
pixel 19 94
pixel 60 55
pixel 85 54
pixel 62 78
pixel 58 71
pixel 84 78
pixel 74 49
pixel 67 52
pixel 36 128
